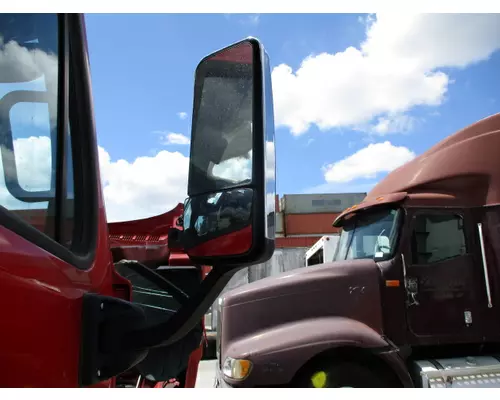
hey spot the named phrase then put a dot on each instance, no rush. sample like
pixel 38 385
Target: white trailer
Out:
pixel 322 251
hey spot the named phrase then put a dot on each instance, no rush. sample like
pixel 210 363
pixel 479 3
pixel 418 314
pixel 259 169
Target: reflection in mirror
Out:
pixel 29 72
pixel 382 247
pixel 28 49
pixel 212 215
pixel 221 149
pixel 28 144
pixel 34 166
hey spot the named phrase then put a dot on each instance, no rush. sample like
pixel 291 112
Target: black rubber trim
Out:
pixel 62 131
pixel 163 283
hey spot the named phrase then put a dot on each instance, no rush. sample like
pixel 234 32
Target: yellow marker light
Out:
pixel 236 369
pixel 319 379
pixel 379 198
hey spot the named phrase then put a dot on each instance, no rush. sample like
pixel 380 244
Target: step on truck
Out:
pixel 86 303
pixel 411 299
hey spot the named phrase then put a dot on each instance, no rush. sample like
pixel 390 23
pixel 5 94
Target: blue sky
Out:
pixel 425 82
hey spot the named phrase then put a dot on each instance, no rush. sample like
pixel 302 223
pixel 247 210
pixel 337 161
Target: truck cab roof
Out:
pixel 461 170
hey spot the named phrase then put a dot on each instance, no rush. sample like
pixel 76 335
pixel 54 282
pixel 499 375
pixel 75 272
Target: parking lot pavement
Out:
pixel 206 374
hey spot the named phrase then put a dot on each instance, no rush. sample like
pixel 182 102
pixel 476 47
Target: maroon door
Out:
pixel 444 283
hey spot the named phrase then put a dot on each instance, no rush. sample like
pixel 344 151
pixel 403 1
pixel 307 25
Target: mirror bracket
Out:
pixel 147 273
pixel 137 337
pixel 109 316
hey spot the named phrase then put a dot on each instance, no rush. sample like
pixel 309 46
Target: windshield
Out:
pixel 369 235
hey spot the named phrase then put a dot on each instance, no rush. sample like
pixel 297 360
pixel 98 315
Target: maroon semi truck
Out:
pixel 412 298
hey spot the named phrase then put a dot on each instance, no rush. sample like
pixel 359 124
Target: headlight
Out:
pixel 236 369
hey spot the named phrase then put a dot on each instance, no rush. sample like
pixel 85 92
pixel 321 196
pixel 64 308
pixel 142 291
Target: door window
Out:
pixel 437 237
pixel 29 70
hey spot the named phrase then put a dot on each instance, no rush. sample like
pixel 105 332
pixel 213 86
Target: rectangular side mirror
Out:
pixel 229 217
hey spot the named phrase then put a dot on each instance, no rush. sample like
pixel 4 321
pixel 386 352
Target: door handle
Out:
pixel 412 291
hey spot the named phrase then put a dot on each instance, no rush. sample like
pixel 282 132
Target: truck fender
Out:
pixel 278 352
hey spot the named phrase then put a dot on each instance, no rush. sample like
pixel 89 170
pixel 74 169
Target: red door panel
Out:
pixel 41 300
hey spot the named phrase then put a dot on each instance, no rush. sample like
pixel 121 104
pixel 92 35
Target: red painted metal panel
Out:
pixel 292 242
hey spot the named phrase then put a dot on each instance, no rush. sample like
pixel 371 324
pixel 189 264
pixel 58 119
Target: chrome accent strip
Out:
pixel 485 264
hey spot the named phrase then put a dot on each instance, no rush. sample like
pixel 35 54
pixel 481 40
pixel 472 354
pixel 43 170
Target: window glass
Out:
pixel 28 120
pixel 370 234
pixel 437 238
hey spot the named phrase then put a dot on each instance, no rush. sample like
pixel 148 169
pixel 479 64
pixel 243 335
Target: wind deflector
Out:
pixel 370 202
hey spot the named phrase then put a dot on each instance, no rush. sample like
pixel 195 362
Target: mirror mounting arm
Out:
pixel 175 328
pixel 154 277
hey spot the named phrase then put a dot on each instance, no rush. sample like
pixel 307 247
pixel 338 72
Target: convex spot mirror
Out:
pixel 382 247
pixel 229 217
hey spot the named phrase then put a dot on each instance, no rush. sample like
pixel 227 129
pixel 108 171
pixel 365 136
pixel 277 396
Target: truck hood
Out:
pixel 146 240
pixel 340 289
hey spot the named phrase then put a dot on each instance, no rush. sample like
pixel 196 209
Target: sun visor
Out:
pixel 369 202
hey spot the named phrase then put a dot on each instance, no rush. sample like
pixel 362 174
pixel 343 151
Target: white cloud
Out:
pixel 33 167
pixel 389 124
pixel 334 187
pixel 18 64
pixel 247 19
pixel 234 169
pixel 33 162
pixel 395 124
pixel 144 187
pixel 182 115
pixel 395 69
pixel 35 70
pixel 240 168
pixel 253 19
pixel 141 188
pixel 174 138
pixel 368 162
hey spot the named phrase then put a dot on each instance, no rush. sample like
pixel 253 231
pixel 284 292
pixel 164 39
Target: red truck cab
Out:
pixel 78 308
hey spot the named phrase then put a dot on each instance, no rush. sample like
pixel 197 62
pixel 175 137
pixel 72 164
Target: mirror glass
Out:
pixel 212 215
pixel 382 246
pixel 29 72
pixel 31 39
pixel 221 145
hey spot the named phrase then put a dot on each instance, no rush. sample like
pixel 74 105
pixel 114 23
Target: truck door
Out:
pixel 444 286
pixel 53 235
